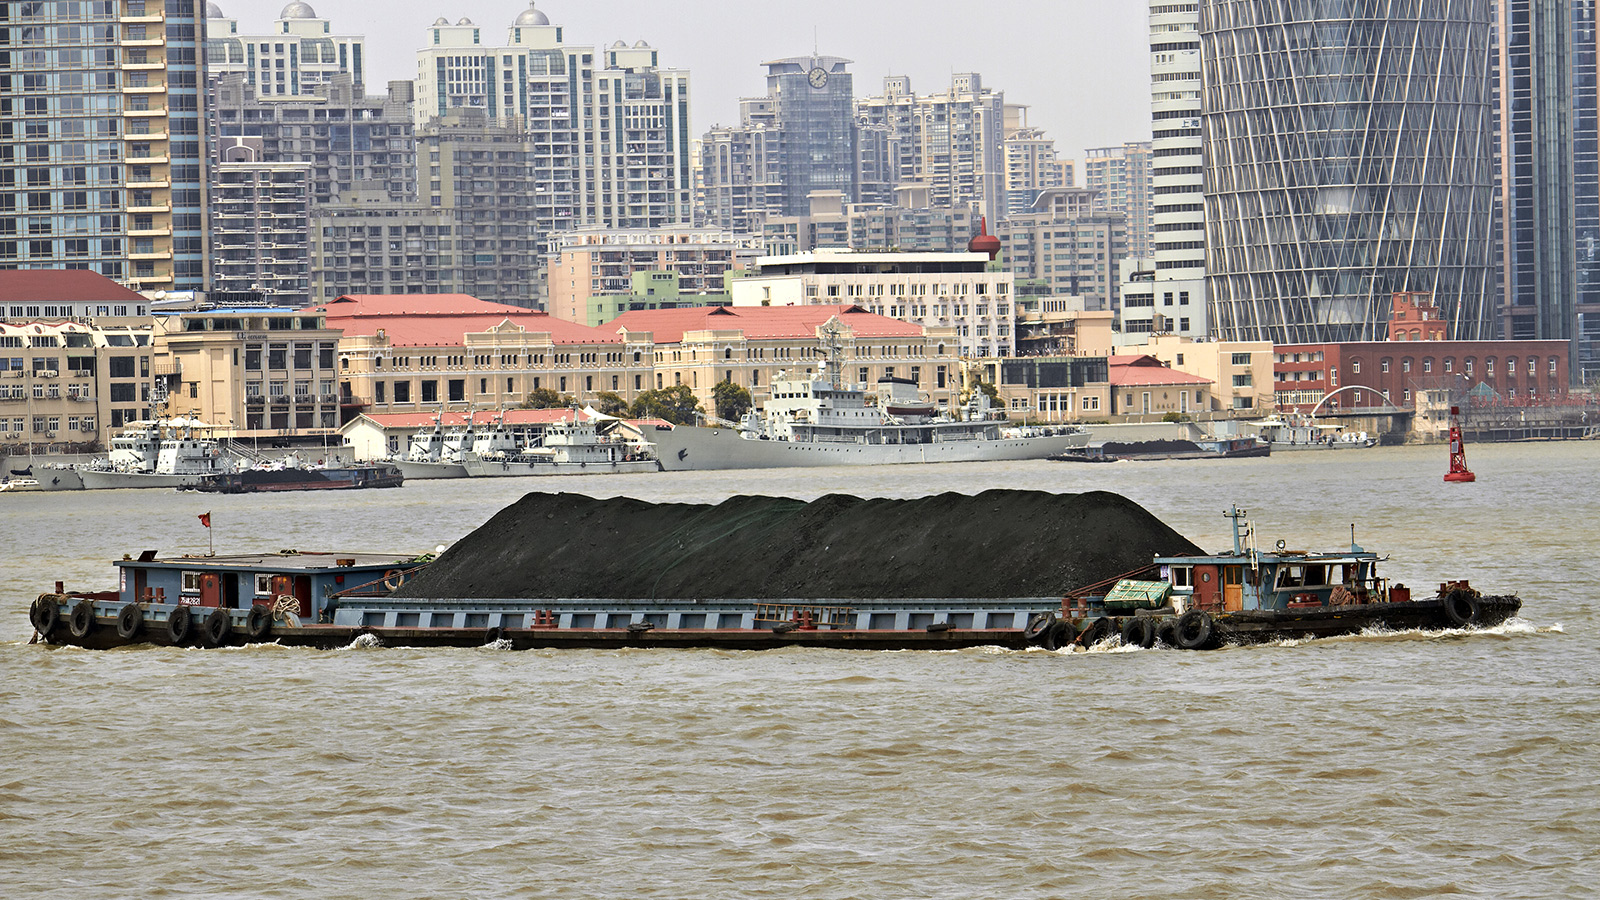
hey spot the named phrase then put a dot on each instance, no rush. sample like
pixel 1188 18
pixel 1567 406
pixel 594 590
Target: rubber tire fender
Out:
pixel 179 626
pixel 45 616
pixel 1059 634
pixel 1194 629
pixel 1038 625
pixel 215 629
pixel 494 635
pixel 258 624
pixel 130 622
pixel 1096 631
pixel 1139 632
pixel 1462 609
pixel 81 621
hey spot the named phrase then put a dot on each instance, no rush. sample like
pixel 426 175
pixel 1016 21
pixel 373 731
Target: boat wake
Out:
pixel 1510 628
pixel 365 642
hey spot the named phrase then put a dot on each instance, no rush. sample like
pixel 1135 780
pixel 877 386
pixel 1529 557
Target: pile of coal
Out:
pixel 1000 543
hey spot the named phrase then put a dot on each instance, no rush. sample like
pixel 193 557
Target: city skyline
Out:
pixel 1081 67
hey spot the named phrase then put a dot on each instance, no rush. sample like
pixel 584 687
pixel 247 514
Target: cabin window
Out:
pixel 1291 577
pixel 263 585
pixel 191 582
pixel 1183 576
pixel 1316 575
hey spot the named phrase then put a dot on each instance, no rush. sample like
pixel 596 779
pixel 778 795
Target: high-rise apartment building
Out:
pixel 352 141
pixel 952 142
pixel 298 54
pixel 1548 202
pixel 1064 243
pixel 101 165
pixel 1121 176
pixel 1177 210
pixel 610 128
pixel 260 226
pixel 1347 158
pixel 801 137
pixel 1031 163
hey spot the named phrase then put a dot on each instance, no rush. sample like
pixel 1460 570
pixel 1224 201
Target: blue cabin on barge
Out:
pixel 243 581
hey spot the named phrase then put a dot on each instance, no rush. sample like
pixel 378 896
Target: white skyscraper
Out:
pixel 615 153
pixel 1178 219
pixel 300 53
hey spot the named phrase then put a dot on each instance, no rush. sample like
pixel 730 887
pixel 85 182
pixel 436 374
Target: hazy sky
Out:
pixel 1082 66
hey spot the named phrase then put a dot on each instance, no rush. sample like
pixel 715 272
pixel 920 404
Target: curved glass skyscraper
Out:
pixel 1348 149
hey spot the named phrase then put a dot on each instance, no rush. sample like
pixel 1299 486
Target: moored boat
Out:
pixel 157 454
pixel 303 478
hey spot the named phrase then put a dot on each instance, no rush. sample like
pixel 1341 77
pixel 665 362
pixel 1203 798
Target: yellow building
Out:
pixel 65 387
pixel 429 352
pixel 1240 371
pixel 255 375
pixel 751 345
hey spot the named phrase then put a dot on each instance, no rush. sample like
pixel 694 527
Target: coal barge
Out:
pixel 1193 601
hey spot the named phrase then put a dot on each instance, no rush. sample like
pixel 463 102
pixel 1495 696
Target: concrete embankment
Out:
pixel 1001 543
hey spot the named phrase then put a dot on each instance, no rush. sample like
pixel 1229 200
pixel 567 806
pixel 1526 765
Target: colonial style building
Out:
pixel 933 290
pixel 252 375
pixel 752 345
pixel 452 352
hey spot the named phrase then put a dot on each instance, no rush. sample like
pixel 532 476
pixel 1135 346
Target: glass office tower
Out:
pixel 1348 153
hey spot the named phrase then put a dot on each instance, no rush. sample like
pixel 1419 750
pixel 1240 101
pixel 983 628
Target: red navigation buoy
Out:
pixel 1458 453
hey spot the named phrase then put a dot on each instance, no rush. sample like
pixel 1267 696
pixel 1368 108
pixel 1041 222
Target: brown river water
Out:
pixel 1378 766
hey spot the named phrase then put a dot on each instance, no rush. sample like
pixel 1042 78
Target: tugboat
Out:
pixel 1250 596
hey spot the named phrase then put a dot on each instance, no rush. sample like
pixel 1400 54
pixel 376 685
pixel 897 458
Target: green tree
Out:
pixel 611 404
pixel 731 400
pixel 676 404
pixel 544 398
pixel 991 390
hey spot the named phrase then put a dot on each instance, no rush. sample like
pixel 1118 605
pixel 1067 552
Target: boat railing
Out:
pixel 804 616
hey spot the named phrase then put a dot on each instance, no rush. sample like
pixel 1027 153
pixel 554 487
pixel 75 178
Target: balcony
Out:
pixel 255 401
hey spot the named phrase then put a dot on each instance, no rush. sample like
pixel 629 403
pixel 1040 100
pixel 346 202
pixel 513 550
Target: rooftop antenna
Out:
pixel 816 42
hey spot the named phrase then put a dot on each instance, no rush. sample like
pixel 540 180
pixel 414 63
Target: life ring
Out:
pixel 130 621
pixel 179 625
pixel 81 622
pixel 45 615
pixel 1038 624
pixel 1139 631
pixel 393 579
pixel 216 628
pixel 258 624
pixel 1194 630
pixel 1461 608
pixel 1096 631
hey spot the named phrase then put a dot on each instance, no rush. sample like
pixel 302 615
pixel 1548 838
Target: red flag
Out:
pixel 205 519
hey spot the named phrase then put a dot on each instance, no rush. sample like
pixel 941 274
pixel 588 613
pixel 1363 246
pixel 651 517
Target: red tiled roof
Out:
pixel 62 286
pixel 1130 370
pixel 439 320
pixel 761 323
pixel 454 419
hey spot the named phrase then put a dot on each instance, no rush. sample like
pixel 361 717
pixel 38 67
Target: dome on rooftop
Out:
pixel 620 45
pixel 299 9
pixel 441 21
pixel 531 16
pixel 464 21
pixel 641 45
pixel 214 11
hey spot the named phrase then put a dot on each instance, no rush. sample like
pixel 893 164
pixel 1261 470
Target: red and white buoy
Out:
pixel 1458 453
